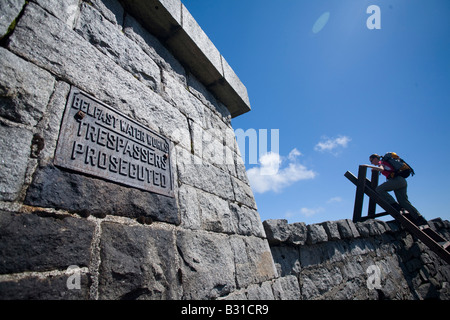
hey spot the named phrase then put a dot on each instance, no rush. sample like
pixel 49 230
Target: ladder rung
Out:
pixel 432 234
pixel 445 244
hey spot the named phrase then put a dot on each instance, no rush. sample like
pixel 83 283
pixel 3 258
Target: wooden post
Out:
pixel 359 197
pixel 372 202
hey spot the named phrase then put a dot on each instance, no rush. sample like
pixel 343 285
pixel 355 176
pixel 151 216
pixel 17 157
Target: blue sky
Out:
pixel 337 92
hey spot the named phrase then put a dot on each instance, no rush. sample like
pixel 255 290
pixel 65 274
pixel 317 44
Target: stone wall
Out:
pixel 368 260
pixel 70 71
pixel 68 234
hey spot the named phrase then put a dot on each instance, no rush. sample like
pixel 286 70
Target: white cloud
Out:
pixel 294 154
pixel 308 212
pixel 330 145
pixel 335 200
pixel 271 175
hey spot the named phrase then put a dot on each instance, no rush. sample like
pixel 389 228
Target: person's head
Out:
pixel 374 159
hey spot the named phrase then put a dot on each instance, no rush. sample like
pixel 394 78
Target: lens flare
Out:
pixel 321 22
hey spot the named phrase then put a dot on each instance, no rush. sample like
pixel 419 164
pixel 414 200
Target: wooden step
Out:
pixel 432 234
pixel 445 245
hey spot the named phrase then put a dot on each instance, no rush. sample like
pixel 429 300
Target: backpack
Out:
pixel 401 168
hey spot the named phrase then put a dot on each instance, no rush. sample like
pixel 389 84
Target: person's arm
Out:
pixel 380 168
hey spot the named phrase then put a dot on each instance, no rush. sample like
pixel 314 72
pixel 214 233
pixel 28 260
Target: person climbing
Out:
pixel 397 183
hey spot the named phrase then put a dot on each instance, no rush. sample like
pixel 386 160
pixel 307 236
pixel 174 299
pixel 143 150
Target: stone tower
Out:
pixel 120 174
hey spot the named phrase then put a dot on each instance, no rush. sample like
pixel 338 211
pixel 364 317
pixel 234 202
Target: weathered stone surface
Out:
pixel 112 10
pixel 57 188
pixel 316 234
pixel 197 89
pixel 246 221
pixel 215 246
pixel 298 233
pixel 215 213
pixel 210 52
pixel 215 243
pixel 311 255
pixel 193 48
pixel 243 193
pixel 189 207
pixel 51 288
pixel 347 229
pixel 261 291
pixel 15 149
pixel 108 39
pixel 254 264
pixel 32 243
pixel 276 230
pixel 286 288
pixel 287 260
pixel 49 43
pixel 197 173
pixel 154 49
pixel 65 10
pixel 234 81
pixel 260 259
pixel 317 282
pixel 49 126
pixel 9 10
pixel 138 263
pixel 207 271
pixel 24 89
pixel 331 230
pixel 344 268
pixel 202 210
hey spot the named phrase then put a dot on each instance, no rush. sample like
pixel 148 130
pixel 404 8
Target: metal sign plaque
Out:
pixel 99 140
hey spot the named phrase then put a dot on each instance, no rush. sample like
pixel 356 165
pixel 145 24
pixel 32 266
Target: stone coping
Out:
pixel 174 26
pixel 278 231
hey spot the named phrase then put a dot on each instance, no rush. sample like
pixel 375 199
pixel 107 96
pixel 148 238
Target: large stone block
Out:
pixel 138 262
pixel 197 173
pixel 49 127
pixel 208 269
pixel 316 234
pixel 62 189
pixel 286 288
pixel 277 230
pixel 154 49
pixel 65 10
pixel 9 11
pixel 298 233
pixel 111 41
pixel 246 221
pixel 15 149
pixel 253 260
pixel 40 287
pixel 347 229
pixel 32 243
pixel 287 260
pixel 215 213
pixel 24 89
pixel 243 193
